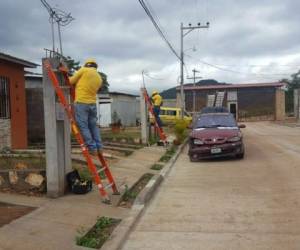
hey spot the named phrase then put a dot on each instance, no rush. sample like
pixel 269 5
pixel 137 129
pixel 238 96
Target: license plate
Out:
pixel 216 150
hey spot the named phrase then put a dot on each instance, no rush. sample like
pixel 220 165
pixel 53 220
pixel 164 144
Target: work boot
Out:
pixel 93 153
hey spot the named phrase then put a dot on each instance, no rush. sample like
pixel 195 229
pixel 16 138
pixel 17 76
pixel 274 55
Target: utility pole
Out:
pixel 194 92
pixel 61 18
pixel 188 29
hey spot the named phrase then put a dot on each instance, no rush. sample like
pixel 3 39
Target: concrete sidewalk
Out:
pixel 54 224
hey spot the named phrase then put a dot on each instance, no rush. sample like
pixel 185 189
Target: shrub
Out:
pixel 180 130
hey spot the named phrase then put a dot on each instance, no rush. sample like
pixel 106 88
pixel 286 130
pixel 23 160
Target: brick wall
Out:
pixel 5 134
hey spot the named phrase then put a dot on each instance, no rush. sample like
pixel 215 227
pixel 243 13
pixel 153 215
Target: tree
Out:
pixel 105 84
pixel 72 65
pixel 293 83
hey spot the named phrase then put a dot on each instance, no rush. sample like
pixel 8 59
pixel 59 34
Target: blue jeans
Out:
pixel 156 110
pixel 86 118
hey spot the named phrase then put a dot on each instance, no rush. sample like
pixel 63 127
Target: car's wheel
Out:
pixel 240 156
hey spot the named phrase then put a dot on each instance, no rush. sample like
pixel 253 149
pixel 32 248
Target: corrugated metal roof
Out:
pixel 121 93
pixel 16 60
pixel 235 86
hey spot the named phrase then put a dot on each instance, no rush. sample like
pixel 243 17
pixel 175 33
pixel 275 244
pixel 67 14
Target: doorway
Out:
pixel 232 106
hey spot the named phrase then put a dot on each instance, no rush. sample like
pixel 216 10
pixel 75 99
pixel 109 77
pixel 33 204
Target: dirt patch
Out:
pixel 10 212
pixel 20 163
pixel 99 233
pixel 130 195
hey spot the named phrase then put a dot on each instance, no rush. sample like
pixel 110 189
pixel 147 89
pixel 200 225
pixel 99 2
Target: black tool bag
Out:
pixel 76 185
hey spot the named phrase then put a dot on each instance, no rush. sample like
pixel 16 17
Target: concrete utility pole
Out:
pixel 57 135
pixel 188 29
pixel 143 113
pixel 194 92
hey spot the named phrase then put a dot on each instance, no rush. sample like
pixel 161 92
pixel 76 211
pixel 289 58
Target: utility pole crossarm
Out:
pixel 189 29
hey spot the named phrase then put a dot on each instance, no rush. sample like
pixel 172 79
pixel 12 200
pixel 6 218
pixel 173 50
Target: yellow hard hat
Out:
pixel 90 60
pixel 154 92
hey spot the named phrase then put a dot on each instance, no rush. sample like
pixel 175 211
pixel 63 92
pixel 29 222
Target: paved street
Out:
pixel 249 204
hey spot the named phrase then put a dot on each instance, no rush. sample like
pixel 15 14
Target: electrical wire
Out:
pixel 154 78
pixel 235 71
pixel 157 27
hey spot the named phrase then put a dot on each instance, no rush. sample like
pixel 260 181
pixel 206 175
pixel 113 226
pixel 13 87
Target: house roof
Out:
pixel 234 86
pixel 120 93
pixel 16 60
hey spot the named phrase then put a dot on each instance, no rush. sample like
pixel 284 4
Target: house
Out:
pixel 13 113
pixel 117 105
pixel 259 101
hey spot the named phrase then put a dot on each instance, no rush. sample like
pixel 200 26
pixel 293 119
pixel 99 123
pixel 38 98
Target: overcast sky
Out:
pixel 252 41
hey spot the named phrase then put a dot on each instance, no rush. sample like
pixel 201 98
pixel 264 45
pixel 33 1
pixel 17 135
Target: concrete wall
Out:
pixel 126 108
pixel 35 104
pixel 35 115
pixel 296 103
pixel 33 82
pixel 18 124
pixel 5 133
pixel 280 105
pixel 170 103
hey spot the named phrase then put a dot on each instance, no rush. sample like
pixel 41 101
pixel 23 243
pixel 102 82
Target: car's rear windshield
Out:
pixel 216 120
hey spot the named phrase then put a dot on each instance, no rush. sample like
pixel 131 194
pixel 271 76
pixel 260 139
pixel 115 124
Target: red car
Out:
pixel 216 135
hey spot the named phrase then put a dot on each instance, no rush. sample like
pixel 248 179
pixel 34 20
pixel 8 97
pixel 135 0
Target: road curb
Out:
pixel 119 236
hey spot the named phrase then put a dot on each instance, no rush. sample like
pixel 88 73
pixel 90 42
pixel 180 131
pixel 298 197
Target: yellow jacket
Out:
pixel 87 83
pixel 157 100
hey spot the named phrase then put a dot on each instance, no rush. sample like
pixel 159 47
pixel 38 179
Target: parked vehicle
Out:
pixel 207 110
pixel 215 135
pixel 169 115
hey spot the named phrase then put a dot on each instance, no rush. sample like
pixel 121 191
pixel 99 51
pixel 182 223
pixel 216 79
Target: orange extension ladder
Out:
pixel 159 129
pixel 68 108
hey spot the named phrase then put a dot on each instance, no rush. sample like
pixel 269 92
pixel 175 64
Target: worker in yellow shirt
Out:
pixel 87 82
pixel 157 102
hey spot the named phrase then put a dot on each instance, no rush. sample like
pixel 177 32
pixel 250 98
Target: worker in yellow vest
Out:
pixel 157 103
pixel 87 82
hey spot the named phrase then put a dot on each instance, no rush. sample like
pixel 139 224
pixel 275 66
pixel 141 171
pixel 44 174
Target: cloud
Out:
pixel 121 37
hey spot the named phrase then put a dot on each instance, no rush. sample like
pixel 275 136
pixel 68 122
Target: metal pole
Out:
pixel 194 84
pixel 59 37
pixel 181 72
pixel 194 92
pixel 52 30
pixel 143 79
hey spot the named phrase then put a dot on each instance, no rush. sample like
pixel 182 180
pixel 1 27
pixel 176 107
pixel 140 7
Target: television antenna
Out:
pixel 61 18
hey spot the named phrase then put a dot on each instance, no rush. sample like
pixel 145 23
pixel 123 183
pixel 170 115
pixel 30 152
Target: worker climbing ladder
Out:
pixel 68 109
pixel 159 129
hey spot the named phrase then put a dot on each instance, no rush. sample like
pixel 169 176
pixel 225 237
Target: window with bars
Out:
pixel 4 98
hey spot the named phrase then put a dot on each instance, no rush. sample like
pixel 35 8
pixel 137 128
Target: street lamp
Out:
pixel 188 29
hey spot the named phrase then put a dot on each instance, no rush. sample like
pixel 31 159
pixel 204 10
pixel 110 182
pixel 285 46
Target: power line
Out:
pixel 160 32
pixel 235 71
pixel 154 78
